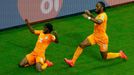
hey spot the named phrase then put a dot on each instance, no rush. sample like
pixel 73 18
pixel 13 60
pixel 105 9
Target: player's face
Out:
pixel 98 8
pixel 45 30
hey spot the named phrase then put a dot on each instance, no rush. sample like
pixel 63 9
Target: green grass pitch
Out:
pixel 15 43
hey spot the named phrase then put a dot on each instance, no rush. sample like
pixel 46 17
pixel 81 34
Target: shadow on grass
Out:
pixel 109 63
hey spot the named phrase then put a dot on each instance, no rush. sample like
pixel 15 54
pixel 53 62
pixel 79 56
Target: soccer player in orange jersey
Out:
pixel 98 37
pixel 37 56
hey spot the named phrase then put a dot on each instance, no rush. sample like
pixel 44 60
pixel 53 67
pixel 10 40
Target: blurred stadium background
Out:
pixel 14 12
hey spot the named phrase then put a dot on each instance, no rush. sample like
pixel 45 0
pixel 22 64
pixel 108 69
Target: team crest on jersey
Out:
pixel 41 40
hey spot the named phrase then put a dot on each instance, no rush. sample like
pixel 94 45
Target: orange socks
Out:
pixel 44 66
pixel 77 53
pixel 111 55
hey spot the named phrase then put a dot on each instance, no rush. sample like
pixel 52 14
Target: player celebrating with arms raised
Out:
pixel 98 37
pixel 37 56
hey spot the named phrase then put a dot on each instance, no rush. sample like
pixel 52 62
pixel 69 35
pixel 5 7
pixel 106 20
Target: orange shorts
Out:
pixel 34 58
pixel 101 41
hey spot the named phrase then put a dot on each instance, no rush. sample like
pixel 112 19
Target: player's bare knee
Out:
pixel 38 67
pixel 23 62
pixel 20 65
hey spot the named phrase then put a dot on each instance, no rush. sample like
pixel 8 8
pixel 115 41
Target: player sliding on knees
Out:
pixel 37 56
pixel 98 37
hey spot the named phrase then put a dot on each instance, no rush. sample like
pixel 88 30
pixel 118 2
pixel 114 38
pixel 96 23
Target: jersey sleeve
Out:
pixel 37 32
pixel 102 17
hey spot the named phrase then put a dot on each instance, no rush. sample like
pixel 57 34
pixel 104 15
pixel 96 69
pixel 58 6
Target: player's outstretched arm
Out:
pixel 98 21
pixel 89 13
pixel 29 26
pixel 85 16
pixel 56 35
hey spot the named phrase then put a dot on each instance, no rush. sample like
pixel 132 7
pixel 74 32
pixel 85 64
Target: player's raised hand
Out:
pixel 88 12
pixel 26 20
pixel 54 32
pixel 85 15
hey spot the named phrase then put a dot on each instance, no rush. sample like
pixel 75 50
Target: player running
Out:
pixel 37 56
pixel 98 37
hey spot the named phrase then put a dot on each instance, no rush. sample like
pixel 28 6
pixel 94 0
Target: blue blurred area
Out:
pixel 9 15
pixel 76 6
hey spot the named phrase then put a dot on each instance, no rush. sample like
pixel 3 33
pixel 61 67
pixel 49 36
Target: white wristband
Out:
pixel 89 18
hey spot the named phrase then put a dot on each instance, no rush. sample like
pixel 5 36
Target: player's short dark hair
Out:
pixel 103 5
pixel 49 26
